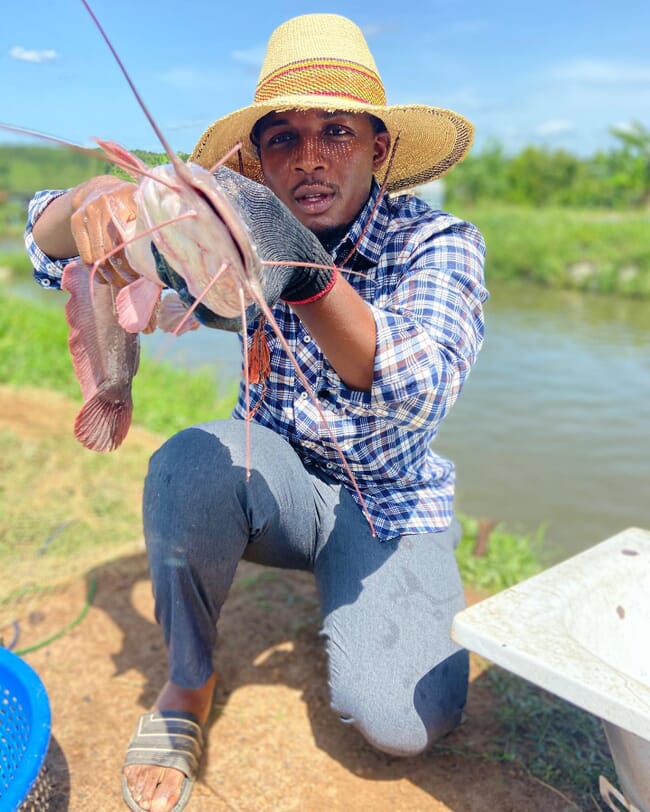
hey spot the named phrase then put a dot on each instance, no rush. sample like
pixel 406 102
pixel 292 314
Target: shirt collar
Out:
pixel 369 244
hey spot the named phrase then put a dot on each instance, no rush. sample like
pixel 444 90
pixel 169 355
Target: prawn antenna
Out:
pixel 170 153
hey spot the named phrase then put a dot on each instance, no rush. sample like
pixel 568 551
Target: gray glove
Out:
pixel 277 236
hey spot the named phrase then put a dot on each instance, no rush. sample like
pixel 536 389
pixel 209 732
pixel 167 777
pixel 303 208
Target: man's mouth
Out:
pixel 314 199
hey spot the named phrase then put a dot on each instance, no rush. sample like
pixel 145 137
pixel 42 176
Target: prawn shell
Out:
pixel 211 250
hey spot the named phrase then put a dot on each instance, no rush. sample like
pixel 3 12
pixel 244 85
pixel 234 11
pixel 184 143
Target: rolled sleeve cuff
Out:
pixel 47 271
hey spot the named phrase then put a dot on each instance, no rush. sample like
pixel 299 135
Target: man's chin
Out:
pixel 330 236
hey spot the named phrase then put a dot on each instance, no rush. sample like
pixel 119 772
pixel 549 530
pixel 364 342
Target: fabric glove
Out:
pixel 277 236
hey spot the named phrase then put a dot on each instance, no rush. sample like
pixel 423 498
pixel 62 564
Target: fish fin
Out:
pixel 104 420
pixel 136 305
pixel 105 417
pixel 172 312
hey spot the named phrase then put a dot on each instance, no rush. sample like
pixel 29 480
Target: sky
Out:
pixel 556 74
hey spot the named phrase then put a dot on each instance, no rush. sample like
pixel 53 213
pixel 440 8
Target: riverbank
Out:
pixel 599 251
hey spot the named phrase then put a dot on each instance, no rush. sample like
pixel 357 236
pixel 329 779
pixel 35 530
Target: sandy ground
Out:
pixel 273 743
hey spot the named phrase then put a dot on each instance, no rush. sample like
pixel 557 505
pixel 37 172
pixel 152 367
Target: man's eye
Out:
pixel 279 138
pixel 336 129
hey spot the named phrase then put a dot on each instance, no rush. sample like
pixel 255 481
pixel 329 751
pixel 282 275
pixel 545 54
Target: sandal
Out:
pixel 166 739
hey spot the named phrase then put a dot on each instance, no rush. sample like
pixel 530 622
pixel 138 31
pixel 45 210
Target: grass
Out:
pixel 64 509
pixel 508 559
pixel 559 744
pixel 591 250
pixel 15 264
pixel 599 251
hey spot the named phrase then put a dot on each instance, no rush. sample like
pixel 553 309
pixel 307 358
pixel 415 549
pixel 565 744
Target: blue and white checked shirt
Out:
pixel 421 271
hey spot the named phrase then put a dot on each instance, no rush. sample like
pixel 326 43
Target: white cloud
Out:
pixel 555 126
pixel 251 57
pixel 191 124
pixel 27 55
pixel 376 29
pixel 602 72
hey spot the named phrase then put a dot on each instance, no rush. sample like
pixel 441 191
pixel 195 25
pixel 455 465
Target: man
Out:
pixel 385 342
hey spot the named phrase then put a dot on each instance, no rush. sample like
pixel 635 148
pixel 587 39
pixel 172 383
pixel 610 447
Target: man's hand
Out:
pixel 102 208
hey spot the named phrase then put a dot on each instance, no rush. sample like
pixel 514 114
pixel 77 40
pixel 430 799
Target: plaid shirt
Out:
pixel 421 272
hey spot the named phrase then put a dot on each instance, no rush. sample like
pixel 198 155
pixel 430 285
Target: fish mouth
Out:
pixel 314 198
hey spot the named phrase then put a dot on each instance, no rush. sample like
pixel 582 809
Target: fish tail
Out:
pixel 104 421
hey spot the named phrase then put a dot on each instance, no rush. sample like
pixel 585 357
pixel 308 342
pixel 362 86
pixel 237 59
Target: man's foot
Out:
pixel 158 789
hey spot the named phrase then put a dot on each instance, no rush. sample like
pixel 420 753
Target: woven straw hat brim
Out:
pixel 431 139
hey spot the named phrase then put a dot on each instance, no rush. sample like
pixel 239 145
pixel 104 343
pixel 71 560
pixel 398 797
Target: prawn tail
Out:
pixel 104 420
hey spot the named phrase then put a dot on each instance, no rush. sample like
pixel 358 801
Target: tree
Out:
pixel 635 172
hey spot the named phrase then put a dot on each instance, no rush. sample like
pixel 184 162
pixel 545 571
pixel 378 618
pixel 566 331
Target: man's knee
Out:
pixel 407 723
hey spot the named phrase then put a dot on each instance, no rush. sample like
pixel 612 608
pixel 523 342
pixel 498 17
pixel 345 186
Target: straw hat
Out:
pixel 322 61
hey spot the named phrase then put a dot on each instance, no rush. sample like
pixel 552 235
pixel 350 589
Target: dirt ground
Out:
pixel 273 743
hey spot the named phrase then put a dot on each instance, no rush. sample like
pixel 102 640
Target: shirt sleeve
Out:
pixel 429 333
pixel 47 271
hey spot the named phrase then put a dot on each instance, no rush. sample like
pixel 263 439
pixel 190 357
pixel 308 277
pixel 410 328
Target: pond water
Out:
pixel 553 427
pixel 552 431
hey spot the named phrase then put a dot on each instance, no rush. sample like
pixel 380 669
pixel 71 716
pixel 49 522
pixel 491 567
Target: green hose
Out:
pixel 92 588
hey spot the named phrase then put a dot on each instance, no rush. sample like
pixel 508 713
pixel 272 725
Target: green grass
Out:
pixel 59 502
pixel 15 263
pixel 508 560
pixel 601 252
pixel 556 742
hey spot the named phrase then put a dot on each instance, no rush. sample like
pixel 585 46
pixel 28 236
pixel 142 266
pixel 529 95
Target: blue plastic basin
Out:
pixel 25 724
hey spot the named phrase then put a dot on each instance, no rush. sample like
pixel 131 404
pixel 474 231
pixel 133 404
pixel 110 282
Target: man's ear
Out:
pixel 382 149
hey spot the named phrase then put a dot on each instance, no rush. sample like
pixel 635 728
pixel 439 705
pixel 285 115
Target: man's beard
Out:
pixel 329 238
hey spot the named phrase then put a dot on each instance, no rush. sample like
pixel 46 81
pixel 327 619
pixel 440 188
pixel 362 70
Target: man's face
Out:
pixel 321 164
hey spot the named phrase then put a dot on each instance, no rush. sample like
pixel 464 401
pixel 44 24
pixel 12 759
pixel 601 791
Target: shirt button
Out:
pixel 330 465
pixel 304 396
pixel 307 339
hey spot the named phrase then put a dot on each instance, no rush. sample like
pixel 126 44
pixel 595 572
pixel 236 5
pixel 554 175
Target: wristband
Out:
pixel 309 286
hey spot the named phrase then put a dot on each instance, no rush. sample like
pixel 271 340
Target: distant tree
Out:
pixel 541 177
pixel 634 173
pixel 481 176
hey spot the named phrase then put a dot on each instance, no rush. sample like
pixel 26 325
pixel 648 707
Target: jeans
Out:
pixel 387 606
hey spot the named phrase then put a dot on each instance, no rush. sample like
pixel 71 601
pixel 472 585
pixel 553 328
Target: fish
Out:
pixel 191 230
pixel 105 358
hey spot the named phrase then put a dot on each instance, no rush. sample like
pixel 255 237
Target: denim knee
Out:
pixel 406 721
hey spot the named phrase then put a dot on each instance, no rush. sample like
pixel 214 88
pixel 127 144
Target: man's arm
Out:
pixel 343 326
pixel 87 221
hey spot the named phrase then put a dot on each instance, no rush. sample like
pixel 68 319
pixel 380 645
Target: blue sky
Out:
pixel 556 73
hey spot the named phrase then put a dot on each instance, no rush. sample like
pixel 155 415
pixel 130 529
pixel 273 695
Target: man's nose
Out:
pixel 310 155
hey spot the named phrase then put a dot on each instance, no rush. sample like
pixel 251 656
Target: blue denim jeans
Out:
pixel 387 606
